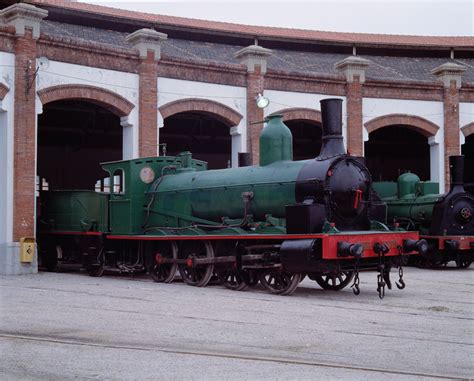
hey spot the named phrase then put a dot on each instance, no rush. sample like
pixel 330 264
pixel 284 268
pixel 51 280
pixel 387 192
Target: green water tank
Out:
pixel 276 141
pixel 407 184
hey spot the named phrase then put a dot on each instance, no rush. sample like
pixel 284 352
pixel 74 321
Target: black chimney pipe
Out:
pixel 332 140
pixel 456 170
pixel 244 159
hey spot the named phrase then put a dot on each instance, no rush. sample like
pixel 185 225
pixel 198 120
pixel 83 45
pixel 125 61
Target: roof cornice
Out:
pixel 250 31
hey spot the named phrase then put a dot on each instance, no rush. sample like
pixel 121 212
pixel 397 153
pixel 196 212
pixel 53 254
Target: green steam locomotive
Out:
pixel 271 223
pixel 444 220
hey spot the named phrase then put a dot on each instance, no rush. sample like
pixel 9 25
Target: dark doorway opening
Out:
pixel 394 150
pixel 467 150
pixel 206 136
pixel 306 138
pixel 74 137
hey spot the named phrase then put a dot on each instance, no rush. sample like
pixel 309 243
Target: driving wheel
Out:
pixel 161 271
pixel 196 275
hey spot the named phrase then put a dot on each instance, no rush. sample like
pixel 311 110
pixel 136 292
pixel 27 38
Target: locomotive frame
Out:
pixel 243 260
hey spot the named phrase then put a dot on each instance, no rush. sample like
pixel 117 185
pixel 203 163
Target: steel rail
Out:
pixel 234 356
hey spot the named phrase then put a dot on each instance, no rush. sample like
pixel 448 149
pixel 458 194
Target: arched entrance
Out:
pixel 74 137
pixel 400 143
pixel 393 150
pixel 79 127
pixel 202 127
pixel 467 149
pixel 306 128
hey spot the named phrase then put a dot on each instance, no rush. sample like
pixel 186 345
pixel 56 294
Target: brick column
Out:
pixel 148 42
pixel 255 58
pixel 353 69
pixel 26 20
pixel 450 74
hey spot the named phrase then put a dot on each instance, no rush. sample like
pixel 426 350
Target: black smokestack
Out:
pixel 456 169
pixel 332 141
pixel 244 159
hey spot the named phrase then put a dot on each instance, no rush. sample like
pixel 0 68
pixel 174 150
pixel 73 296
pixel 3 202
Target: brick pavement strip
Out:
pixel 69 326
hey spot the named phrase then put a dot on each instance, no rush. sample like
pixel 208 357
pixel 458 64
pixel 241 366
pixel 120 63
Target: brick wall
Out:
pixel 314 84
pixel 355 142
pixel 88 54
pixel 255 85
pixel 148 102
pixel 402 90
pixel 194 70
pixel 224 113
pixel 107 99
pixel 7 41
pixel 466 94
pixel 24 181
pixel 421 125
pixel 300 114
pixel 451 126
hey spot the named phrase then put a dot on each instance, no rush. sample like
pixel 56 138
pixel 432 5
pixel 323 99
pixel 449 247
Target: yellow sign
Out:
pixel 27 249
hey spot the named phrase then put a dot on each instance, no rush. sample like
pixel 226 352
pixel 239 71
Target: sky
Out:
pixel 416 17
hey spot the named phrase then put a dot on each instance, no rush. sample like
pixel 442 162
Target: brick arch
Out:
pixel 3 91
pixel 468 129
pixel 109 100
pixel 300 114
pixel 222 112
pixel 419 124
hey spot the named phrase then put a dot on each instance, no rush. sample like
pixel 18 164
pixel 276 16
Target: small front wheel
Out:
pixel 280 282
pixel 334 281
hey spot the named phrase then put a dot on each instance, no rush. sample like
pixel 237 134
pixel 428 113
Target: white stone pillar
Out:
pixel 436 160
pixel 236 137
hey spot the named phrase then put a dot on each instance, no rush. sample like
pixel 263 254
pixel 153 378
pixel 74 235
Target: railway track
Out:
pixel 223 355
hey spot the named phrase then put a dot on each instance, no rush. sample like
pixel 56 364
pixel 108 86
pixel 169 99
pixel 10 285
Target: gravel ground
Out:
pixel 71 326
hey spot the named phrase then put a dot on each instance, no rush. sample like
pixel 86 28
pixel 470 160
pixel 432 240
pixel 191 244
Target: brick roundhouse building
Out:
pixel 82 84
